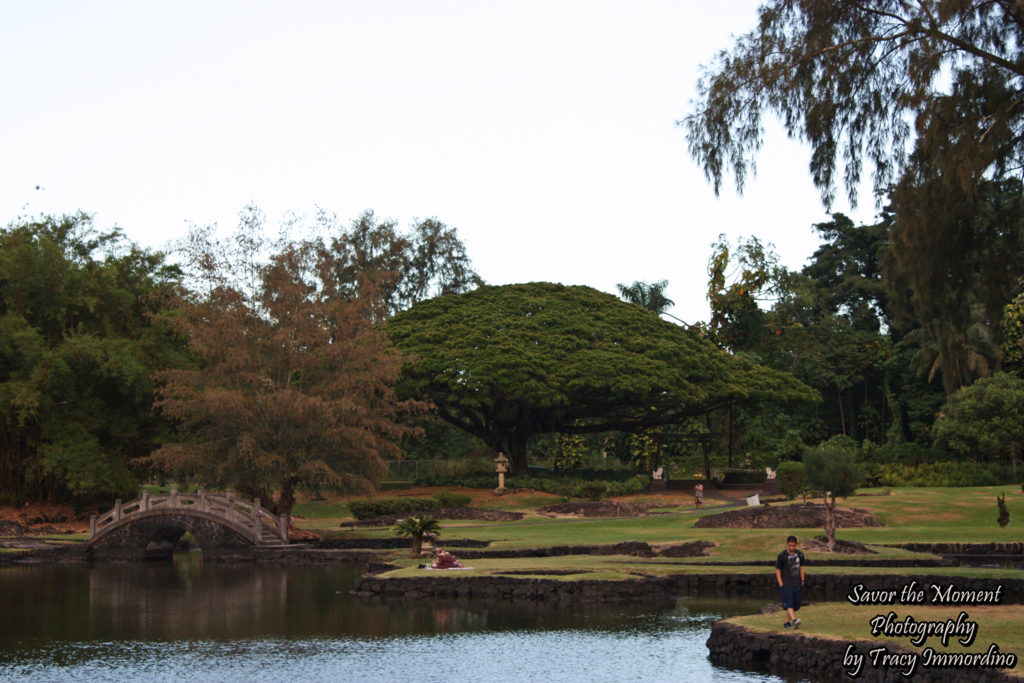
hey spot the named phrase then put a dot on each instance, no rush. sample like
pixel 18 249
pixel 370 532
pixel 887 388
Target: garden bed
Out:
pixel 786 517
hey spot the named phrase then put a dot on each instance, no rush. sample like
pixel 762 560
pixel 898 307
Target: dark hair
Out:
pixel 791 539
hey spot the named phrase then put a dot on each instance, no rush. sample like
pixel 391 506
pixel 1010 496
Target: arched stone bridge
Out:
pixel 152 524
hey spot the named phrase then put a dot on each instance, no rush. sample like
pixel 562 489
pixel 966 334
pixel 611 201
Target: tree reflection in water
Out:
pixel 226 621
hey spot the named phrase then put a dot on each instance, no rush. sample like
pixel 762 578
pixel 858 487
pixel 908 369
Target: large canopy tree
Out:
pixel 402 268
pixel 510 362
pixel 292 384
pixel 930 93
pixel 985 421
pixel 78 346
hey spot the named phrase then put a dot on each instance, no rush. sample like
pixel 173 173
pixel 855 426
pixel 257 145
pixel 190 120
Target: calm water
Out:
pixel 190 621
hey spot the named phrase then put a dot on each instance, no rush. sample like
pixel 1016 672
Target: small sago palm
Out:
pixel 417 528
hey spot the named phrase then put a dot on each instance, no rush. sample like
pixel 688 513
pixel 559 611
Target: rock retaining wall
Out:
pixel 836 587
pixel 1014 548
pixel 633 548
pixel 822 587
pixel 807 656
pixel 455 585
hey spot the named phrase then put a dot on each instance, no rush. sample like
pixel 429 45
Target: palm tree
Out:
pixel 648 295
pixel 959 358
pixel 417 528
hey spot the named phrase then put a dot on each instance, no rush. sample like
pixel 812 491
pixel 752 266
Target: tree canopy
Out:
pixel 429 260
pixel 510 362
pixel 78 346
pixel 832 470
pixel 930 93
pixel 860 80
pixel 292 384
pixel 985 421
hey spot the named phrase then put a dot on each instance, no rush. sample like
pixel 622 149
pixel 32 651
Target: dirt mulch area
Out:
pixel 786 517
pixel 463 512
pixel 42 518
pixel 844 547
pixel 688 549
pixel 600 508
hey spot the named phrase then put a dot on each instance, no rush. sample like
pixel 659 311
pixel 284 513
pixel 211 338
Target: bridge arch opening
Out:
pixel 171 540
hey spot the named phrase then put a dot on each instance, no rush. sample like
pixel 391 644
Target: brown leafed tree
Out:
pixel 292 384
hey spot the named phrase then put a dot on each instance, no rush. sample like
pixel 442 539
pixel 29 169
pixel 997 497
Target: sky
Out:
pixel 545 132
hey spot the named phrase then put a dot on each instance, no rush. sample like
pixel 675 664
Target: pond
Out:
pixel 214 622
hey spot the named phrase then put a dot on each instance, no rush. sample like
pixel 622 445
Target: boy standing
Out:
pixel 789 570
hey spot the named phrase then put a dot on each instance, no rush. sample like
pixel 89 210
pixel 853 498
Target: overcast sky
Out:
pixel 544 131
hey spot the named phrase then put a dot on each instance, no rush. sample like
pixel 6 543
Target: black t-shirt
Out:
pixel 790 565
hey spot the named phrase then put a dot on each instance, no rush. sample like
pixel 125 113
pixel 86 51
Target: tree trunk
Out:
pixel 515 450
pixel 705 446
pixel 842 416
pixel 286 500
pixel 830 521
pixel 730 435
pixel 417 544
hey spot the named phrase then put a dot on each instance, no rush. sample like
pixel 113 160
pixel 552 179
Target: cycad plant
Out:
pixel 417 528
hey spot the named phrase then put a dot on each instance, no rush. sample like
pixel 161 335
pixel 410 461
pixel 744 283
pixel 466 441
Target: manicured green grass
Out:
pixel 63 538
pixel 936 515
pixel 842 621
pixel 521 503
pixel 322 511
pixel 627 566
pixel 928 515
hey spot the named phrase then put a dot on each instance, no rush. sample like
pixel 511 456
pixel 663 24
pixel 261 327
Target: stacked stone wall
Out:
pixel 453 585
pixel 820 658
pixel 836 587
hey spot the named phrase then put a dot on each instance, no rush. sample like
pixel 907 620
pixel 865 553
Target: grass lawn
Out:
pixel 627 566
pixel 960 515
pixel 931 515
pixel 320 514
pixel 999 624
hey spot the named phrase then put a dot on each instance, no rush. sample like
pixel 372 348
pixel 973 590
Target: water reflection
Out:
pixel 252 623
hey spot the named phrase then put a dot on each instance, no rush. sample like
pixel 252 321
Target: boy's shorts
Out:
pixel 791 596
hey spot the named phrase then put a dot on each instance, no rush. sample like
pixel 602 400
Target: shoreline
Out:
pixel 822 658
pixel 820 588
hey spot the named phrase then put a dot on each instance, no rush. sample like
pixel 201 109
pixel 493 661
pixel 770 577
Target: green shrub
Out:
pixel 378 507
pixel 947 474
pixel 833 467
pixel 591 490
pixel 447 499
pixel 1004 514
pixel 898 451
pixel 560 483
pixel 632 486
pixel 792 478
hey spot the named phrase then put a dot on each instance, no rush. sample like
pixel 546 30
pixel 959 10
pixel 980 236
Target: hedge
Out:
pixel 379 507
pixel 950 474
pixel 570 484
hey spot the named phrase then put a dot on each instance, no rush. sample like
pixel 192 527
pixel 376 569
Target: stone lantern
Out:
pixel 502 467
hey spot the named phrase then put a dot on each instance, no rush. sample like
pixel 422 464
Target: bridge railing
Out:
pixel 250 516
